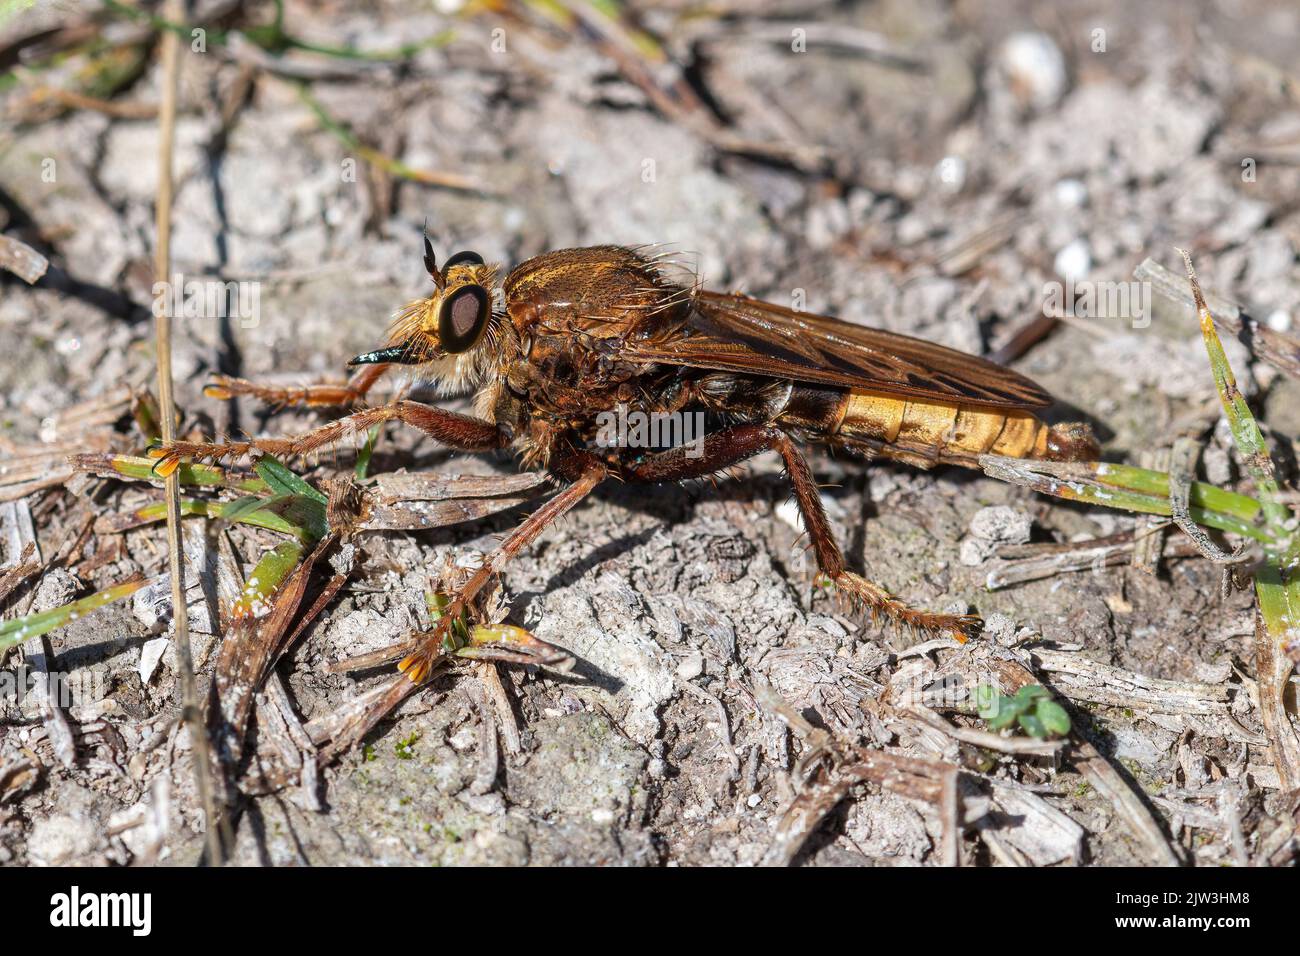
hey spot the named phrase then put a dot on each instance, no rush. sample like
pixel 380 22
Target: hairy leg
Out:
pixel 225 387
pixel 831 560
pixel 735 444
pixel 589 473
pixel 456 431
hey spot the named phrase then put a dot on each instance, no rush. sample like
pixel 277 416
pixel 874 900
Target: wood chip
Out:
pixel 22 260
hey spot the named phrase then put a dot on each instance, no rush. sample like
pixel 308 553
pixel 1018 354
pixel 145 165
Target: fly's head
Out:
pixel 453 336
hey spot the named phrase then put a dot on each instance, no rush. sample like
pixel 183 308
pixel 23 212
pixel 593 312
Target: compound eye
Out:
pixel 462 259
pixel 462 317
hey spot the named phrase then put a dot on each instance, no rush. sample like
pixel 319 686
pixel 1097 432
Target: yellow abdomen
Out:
pixel 938 432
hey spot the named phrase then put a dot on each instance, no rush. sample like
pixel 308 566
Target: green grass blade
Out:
pixel 1245 430
pixel 1156 484
pixel 268 574
pixel 1277 582
pixel 1131 489
pixel 192 475
pixel 261 518
pixel 21 629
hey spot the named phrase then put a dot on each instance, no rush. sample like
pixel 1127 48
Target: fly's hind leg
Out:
pixel 735 444
pixel 455 431
pixel 856 587
pixel 226 387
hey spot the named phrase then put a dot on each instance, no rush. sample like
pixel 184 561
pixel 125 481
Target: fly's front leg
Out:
pixel 589 473
pixel 735 444
pixel 225 387
pixel 460 432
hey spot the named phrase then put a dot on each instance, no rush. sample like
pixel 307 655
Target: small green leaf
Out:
pixel 405 749
pixel 436 602
pixel 1055 719
pixel 307 514
pixel 1030 693
pixel 1005 712
pixel 283 481
pixel 986 700
pixel 241 508
pixel 1032 726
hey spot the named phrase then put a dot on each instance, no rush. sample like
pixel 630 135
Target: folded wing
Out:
pixel 733 333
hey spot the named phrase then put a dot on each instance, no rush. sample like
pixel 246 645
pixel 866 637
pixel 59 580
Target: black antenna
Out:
pixel 430 260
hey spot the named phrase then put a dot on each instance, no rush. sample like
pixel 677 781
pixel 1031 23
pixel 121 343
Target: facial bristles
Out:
pixel 411 321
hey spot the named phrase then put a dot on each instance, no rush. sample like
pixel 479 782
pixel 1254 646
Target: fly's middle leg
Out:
pixel 589 473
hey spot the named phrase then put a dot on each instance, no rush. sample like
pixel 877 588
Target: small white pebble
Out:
pixel 1071 192
pixel 692 666
pixel 1074 261
pixel 1279 320
pixel 1002 524
pixel 974 551
pixel 788 512
pixel 1035 68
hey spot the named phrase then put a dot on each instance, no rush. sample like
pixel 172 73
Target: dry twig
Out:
pixel 190 712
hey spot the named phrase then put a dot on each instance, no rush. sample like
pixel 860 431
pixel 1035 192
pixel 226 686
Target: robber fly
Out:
pixel 581 331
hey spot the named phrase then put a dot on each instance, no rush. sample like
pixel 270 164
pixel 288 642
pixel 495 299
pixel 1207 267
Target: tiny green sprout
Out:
pixel 457 635
pixel 824 583
pixel 405 749
pixel 368 753
pixel 1032 708
pixel 367 450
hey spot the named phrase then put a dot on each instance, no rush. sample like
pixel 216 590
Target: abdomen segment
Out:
pixel 928 433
